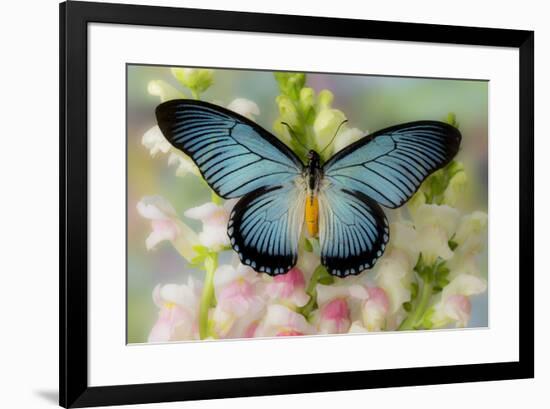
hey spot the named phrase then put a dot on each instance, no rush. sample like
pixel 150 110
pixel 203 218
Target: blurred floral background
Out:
pixel 184 282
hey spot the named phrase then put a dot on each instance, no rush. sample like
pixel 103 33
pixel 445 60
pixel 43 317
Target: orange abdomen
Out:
pixel 312 215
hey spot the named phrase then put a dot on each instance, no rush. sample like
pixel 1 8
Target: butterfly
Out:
pixel 338 201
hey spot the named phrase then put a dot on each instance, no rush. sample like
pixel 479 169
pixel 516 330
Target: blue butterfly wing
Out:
pixel 234 155
pixel 389 165
pixel 265 226
pixel 353 230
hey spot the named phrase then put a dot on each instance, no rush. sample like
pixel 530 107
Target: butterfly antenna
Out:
pixel 291 131
pixel 335 133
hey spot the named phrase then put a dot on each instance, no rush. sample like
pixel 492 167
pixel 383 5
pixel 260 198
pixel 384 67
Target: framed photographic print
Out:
pixel 259 204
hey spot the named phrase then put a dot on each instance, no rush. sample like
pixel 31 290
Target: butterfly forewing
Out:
pixel 389 165
pixel 234 155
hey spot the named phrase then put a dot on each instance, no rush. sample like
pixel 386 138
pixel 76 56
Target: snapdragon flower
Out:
pixel 280 320
pixel 178 310
pixel 214 220
pixel 454 305
pixel 288 288
pixel 244 107
pixel 240 301
pixel 167 226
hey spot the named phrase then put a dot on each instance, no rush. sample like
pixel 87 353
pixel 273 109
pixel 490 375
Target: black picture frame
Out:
pixel 73 379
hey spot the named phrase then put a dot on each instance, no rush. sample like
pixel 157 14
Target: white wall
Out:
pixel 28 205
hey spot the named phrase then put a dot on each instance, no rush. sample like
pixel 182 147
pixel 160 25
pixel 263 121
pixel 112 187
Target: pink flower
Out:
pixel 289 287
pixel 178 312
pixel 239 303
pixel 250 331
pixel 166 225
pixel 237 297
pixel 375 309
pixel 454 305
pixel 282 321
pixel 458 308
pixel 334 317
pixel 214 220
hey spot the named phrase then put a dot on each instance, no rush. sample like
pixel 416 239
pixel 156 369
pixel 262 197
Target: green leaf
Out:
pixel 443 272
pixel 414 290
pixel 407 306
pixel 453 245
pixel 326 280
pixel 419 264
pixel 307 245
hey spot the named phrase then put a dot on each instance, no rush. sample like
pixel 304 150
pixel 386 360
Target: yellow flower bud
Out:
pixel 198 80
pixel 455 189
pixel 307 99
pixel 288 112
pixel 325 98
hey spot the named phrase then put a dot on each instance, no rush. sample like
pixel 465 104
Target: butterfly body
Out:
pixel 337 201
pixel 313 175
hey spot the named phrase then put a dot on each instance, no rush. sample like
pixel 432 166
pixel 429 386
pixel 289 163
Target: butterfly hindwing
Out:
pixel 353 231
pixel 265 226
pixel 389 165
pixel 234 155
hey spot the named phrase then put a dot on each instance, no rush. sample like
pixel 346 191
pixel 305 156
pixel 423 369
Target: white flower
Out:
pixel 404 238
pixel 471 229
pixel 167 226
pixel 346 137
pixel 435 226
pixel 394 276
pixel 433 243
pixel 441 216
pixel 245 107
pixel 470 239
pixel 184 164
pixel 357 328
pixel 454 305
pixel 178 312
pixel 214 228
pixel 155 141
pixel 164 91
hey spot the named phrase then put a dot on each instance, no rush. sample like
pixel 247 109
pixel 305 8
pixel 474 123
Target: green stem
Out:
pixel 195 94
pixel 311 290
pixel 208 298
pixel 415 317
